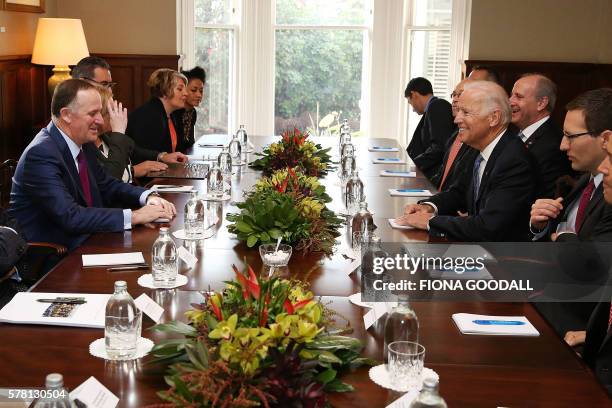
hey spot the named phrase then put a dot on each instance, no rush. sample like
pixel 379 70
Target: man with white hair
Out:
pixel 499 193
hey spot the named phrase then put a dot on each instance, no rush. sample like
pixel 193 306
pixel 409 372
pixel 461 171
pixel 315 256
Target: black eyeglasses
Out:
pixel 575 135
pixel 105 84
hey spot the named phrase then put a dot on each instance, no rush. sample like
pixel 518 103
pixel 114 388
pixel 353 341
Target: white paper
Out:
pixel 168 188
pixel 402 174
pixel 409 192
pixel 388 160
pixel 126 258
pixel 355 260
pixel 404 401
pixel 395 225
pixel 94 394
pixel 466 325
pixel 383 149
pixel 380 309
pixel 149 307
pixel 24 309
pixel 187 257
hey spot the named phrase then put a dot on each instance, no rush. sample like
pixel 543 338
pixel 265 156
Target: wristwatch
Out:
pixel 161 155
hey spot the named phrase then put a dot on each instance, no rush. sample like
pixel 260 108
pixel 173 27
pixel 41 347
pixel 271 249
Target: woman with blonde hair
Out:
pixel 152 125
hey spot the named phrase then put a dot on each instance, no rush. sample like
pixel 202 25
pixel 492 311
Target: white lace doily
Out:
pixel 146 281
pixel 98 349
pixel 355 299
pixel 380 375
pixel 208 233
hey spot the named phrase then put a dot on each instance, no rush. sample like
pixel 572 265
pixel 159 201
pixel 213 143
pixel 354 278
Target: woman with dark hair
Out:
pixel 196 78
pixel 153 127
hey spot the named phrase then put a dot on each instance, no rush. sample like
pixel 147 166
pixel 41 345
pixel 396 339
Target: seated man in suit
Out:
pixel 60 193
pixel 428 143
pixel 597 339
pixel 459 157
pixel 491 205
pixel 532 101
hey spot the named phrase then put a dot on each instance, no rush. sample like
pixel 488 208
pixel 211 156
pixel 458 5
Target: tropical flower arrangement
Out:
pixel 290 205
pixel 295 151
pixel 266 343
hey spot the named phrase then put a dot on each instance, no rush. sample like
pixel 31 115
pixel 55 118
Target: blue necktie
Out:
pixel 476 177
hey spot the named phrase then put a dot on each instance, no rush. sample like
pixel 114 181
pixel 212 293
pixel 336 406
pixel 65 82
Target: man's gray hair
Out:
pixel 492 97
pixel 545 87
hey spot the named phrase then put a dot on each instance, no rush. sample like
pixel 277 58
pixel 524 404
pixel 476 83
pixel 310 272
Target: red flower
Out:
pixel 249 286
pixel 215 308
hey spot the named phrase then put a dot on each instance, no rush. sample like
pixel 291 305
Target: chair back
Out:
pixel 7 170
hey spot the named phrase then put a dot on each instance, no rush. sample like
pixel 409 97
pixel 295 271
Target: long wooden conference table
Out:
pixel 475 371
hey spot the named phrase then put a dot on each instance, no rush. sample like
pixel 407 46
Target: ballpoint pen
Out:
pixel 388 159
pixel 169 187
pixel 128 268
pixel 410 190
pixel 397 172
pixel 69 301
pixel 499 322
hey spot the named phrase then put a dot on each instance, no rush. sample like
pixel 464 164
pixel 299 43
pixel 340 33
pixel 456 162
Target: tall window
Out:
pixel 319 63
pixel 429 31
pixel 214 44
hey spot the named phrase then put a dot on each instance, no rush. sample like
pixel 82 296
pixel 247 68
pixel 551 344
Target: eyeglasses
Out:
pixel 105 84
pixel 575 135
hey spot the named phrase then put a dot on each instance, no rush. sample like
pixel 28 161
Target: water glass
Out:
pixel 406 360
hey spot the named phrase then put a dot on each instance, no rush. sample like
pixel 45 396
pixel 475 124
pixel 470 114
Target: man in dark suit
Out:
pixel 458 157
pixel 532 101
pixel 428 143
pixel 597 351
pixel 60 193
pixel 498 194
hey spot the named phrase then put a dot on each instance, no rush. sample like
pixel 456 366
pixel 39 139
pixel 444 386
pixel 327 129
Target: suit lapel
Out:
pixel 68 161
pixel 536 135
pixel 490 164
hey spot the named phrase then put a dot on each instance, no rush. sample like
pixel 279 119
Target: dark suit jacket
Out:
pixel 47 199
pixel 12 244
pixel 501 211
pixel 550 162
pixel 120 148
pixel 148 126
pixel 598 346
pixel 426 149
pixel 461 167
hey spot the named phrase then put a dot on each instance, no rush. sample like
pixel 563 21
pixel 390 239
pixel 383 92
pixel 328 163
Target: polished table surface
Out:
pixel 475 371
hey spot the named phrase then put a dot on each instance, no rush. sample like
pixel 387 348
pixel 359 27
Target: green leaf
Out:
pixel 326 376
pixel 176 327
pixel 338 386
pixel 328 357
pixel 243 227
pixel 252 240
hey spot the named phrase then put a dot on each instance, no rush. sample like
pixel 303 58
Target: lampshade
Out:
pixel 59 41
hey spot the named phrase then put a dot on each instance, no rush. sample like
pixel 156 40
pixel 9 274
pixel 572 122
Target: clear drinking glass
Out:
pixel 215 183
pixel 195 213
pixel 224 161
pixel 165 260
pixel 406 360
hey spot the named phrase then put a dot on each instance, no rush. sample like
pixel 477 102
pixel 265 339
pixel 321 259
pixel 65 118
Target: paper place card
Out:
pixel 395 225
pixel 405 400
pixel 127 258
pixel 383 149
pixel 409 192
pixel 94 394
pixel 169 188
pixel 355 260
pixel 388 160
pixel 187 257
pixel 149 307
pixel 398 173
pixel 494 325
pixel 372 316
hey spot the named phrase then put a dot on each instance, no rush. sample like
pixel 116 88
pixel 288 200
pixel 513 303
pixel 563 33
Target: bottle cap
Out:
pixel 55 380
pixel 120 285
pixel 430 383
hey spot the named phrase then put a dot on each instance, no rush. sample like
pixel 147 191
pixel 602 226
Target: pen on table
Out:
pixel 127 268
pixel 388 159
pixel 66 301
pixel 499 322
pixel 410 190
pixel 383 148
pixel 397 172
pixel 168 187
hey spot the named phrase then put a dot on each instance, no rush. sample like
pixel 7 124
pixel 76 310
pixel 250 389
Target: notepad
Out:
pixel 409 192
pixel 169 188
pixel 494 325
pixel 395 225
pixel 398 173
pixel 24 309
pixel 383 149
pixel 127 258
pixel 388 160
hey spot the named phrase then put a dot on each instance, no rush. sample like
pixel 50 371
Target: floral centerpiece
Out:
pixel 290 205
pixel 257 343
pixel 295 151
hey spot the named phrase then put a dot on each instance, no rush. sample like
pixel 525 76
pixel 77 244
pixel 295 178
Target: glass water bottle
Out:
pixel 402 324
pixel 165 260
pixel 235 150
pixel 353 193
pixel 54 395
pixel 194 216
pixel 122 325
pixel 429 396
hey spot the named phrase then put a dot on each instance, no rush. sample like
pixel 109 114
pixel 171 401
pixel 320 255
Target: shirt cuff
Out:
pixel 10 229
pixel 537 235
pixel 144 196
pixel 127 219
pixel 432 205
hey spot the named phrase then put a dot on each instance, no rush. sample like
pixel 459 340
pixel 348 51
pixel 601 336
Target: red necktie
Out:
pixel 452 155
pixel 84 176
pixel 584 203
pixel 173 137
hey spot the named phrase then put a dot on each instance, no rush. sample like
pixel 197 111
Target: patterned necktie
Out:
pixel 476 176
pixel 521 136
pixel 584 203
pixel 452 155
pixel 84 176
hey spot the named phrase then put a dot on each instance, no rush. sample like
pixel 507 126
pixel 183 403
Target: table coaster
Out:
pixel 97 348
pixel 146 281
pixel 380 375
pixel 180 234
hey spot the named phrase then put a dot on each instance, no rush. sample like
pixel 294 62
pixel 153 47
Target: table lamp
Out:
pixel 59 42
